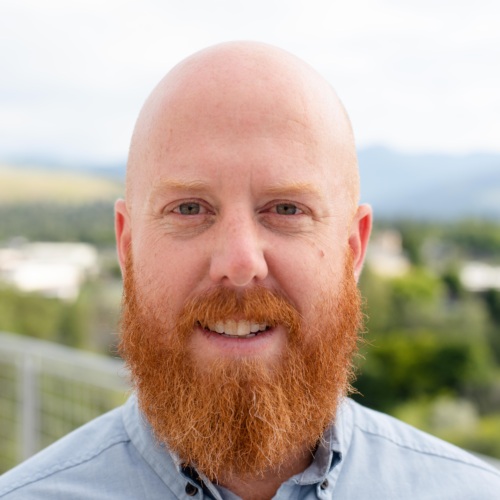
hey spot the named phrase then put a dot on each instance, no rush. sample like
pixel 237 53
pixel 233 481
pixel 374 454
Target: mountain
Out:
pixel 397 185
pixel 430 186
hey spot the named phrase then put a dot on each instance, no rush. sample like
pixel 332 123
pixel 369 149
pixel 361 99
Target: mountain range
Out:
pixel 430 186
pixel 396 184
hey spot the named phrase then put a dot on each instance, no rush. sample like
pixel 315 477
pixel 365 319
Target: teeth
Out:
pixel 231 327
pixel 243 328
pixel 240 328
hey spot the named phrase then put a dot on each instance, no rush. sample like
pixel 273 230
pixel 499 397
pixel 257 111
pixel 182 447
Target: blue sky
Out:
pixel 414 76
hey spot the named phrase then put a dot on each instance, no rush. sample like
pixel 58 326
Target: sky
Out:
pixel 415 76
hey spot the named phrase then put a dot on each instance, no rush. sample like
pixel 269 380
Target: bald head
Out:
pixel 235 89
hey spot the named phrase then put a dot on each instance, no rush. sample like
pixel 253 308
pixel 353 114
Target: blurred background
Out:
pixel 420 81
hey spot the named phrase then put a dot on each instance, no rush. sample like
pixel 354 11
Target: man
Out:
pixel 240 242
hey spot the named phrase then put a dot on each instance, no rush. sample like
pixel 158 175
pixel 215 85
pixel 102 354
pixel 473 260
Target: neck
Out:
pixel 265 486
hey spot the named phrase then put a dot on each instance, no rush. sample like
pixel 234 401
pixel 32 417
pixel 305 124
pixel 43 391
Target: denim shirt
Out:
pixel 365 455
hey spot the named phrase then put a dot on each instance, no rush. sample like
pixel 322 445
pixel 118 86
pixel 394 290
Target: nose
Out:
pixel 238 253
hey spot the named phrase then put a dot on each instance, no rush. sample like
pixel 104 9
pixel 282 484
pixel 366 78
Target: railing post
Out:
pixel 28 401
pixel 35 407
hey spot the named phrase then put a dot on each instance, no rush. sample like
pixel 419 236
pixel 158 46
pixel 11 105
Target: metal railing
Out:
pixel 47 390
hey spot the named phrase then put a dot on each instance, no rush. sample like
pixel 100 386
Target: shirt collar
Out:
pixel 157 455
pixel 332 448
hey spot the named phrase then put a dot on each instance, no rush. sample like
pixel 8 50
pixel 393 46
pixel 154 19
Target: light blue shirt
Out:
pixel 365 455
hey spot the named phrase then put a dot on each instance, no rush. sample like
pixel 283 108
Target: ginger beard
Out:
pixel 240 416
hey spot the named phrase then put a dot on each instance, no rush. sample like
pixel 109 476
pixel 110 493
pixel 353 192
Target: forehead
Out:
pixel 266 153
pixel 241 126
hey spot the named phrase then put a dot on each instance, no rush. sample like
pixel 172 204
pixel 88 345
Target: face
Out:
pixel 239 245
pixel 239 202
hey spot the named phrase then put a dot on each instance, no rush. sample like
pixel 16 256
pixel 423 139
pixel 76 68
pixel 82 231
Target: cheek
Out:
pixel 307 272
pixel 166 271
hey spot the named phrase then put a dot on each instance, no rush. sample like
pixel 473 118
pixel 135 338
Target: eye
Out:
pixel 190 208
pixel 287 209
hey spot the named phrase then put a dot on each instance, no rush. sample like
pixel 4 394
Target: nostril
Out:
pixel 247 268
pixel 238 268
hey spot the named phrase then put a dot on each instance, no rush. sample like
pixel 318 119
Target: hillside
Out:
pixel 19 184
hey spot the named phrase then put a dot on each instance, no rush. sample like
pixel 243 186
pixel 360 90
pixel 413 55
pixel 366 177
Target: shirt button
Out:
pixel 324 484
pixel 191 489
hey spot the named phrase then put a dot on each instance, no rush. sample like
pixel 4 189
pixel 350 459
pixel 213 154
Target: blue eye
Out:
pixel 286 209
pixel 189 208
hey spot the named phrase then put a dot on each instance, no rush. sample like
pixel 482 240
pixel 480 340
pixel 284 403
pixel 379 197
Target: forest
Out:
pixel 430 352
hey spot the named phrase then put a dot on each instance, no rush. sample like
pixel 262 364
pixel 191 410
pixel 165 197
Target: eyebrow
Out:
pixel 294 188
pixel 179 185
pixel 165 185
pixel 196 186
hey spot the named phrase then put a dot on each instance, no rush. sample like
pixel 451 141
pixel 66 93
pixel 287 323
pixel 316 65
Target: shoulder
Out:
pixel 395 433
pixel 397 455
pixel 79 454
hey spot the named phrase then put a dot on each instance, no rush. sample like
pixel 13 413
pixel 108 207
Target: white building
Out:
pixel 479 276
pixel 386 256
pixel 52 269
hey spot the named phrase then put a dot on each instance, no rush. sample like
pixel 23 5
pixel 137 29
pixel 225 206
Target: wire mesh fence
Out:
pixel 47 390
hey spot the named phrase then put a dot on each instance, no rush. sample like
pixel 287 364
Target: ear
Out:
pixel 359 235
pixel 122 232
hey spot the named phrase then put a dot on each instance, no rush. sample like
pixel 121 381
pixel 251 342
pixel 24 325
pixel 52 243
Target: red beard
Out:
pixel 245 416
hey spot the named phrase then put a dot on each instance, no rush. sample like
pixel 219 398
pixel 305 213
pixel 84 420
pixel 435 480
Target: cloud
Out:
pixel 418 75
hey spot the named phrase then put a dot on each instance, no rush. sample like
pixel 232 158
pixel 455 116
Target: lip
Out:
pixel 211 343
pixel 221 327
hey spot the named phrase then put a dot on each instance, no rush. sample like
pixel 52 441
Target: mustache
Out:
pixel 258 304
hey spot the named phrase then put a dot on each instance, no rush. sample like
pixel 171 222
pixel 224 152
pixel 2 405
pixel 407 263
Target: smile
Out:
pixel 236 329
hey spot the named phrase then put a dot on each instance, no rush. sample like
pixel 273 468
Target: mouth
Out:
pixel 241 329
